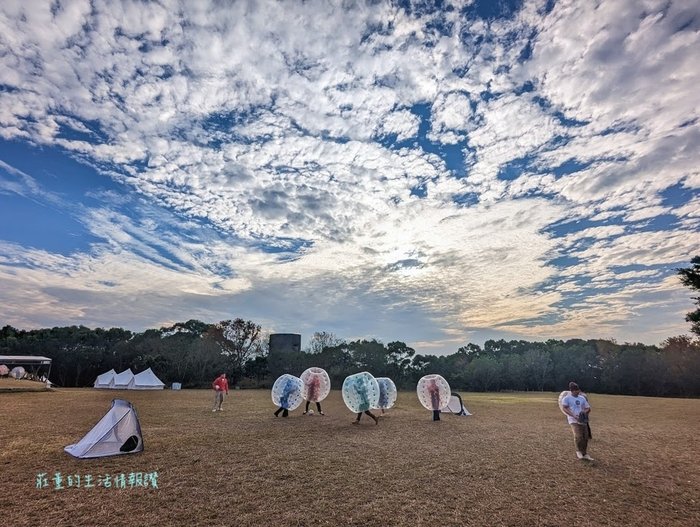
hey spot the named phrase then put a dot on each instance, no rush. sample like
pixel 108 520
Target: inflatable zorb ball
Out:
pixel 433 392
pixel 317 385
pixel 387 393
pixel 360 392
pixel 286 392
pixel 561 400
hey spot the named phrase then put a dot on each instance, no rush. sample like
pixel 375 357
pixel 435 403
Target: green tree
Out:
pixel 690 277
pixel 238 340
pixel 399 357
pixel 370 355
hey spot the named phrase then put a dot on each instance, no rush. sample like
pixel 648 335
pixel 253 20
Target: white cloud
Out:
pixel 269 126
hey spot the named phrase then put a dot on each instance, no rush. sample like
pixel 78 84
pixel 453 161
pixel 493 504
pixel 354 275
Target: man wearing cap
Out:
pixel 576 408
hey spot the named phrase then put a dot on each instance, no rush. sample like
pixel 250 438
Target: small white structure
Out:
pixel 122 381
pixel 176 386
pixel 103 381
pixel 118 432
pixel 146 380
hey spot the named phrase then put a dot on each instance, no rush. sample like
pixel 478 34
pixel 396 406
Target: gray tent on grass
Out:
pixel 118 432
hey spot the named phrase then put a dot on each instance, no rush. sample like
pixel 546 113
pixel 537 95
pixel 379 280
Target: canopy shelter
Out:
pixel 146 380
pixel 38 368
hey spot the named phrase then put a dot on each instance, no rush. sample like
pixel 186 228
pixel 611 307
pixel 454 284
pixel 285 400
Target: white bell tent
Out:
pixel 146 380
pixel 126 380
pixel 455 406
pixel 103 381
pixel 118 432
pixel 121 381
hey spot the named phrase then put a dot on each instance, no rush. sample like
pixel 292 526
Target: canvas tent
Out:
pixel 103 381
pixel 146 380
pixel 122 381
pixel 455 406
pixel 118 432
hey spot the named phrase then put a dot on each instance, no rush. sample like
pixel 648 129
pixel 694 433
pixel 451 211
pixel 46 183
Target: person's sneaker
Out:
pixel 356 422
pixel 587 457
pixel 376 420
pixel 579 454
pixel 214 410
pixel 304 413
pixel 322 413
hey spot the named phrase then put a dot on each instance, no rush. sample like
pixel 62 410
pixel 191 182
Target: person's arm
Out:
pixel 567 411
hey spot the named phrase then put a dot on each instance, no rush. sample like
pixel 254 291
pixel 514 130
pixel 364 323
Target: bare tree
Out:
pixel 238 340
pixel 322 340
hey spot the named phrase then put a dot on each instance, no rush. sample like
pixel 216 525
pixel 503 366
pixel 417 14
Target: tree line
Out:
pixel 194 352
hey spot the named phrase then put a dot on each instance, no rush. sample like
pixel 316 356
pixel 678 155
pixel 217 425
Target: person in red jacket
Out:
pixel 220 386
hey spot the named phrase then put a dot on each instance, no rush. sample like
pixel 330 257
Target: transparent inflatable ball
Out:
pixel 286 392
pixel 317 384
pixel 360 392
pixel 433 392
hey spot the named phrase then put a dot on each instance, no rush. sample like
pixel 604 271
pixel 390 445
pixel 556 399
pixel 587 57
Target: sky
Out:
pixel 432 172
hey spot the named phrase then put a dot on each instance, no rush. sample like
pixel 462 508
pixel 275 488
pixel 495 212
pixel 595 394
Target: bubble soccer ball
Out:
pixel 561 400
pixel 387 393
pixel 360 392
pixel 286 392
pixel 433 392
pixel 317 384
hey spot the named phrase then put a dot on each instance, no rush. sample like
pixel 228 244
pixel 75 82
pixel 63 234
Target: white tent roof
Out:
pixel 122 380
pixel 146 380
pixel 103 380
pixel 118 432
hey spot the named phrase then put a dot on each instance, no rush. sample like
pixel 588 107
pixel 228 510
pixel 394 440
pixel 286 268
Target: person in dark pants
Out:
pixel 284 411
pixel 359 415
pixel 434 391
pixel 284 400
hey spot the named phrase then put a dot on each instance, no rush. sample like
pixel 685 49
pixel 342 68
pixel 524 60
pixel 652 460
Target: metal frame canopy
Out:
pixel 31 362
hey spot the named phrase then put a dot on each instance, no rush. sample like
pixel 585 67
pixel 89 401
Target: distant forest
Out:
pixel 194 353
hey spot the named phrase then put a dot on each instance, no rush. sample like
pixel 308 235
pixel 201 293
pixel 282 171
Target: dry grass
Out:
pixel 8 384
pixel 511 463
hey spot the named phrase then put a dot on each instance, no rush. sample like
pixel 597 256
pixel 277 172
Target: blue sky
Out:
pixel 437 173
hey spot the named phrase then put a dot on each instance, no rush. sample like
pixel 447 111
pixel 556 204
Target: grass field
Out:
pixel 511 463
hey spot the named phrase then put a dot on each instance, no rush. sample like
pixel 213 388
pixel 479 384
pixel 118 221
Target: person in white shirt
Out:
pixel 576 408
